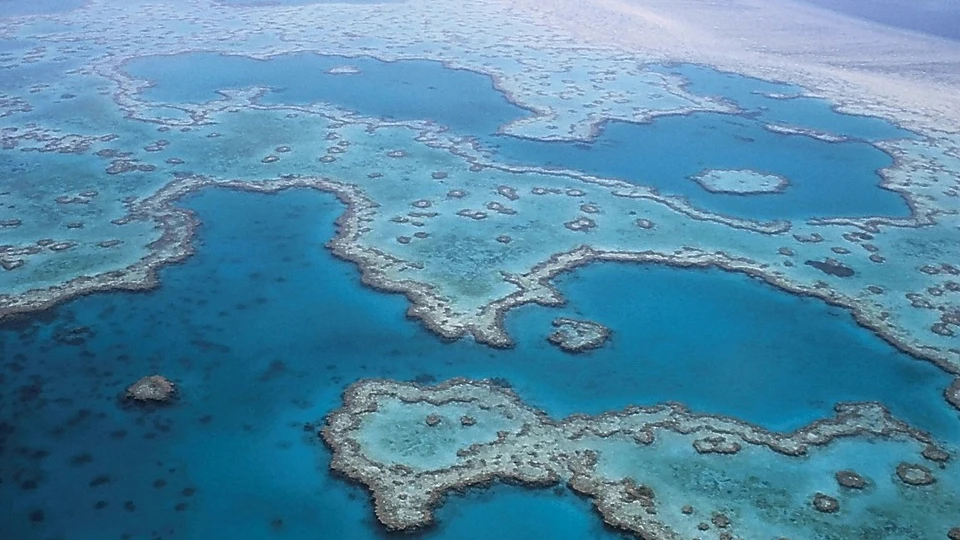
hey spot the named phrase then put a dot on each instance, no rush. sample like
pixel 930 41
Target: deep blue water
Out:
pixel 731 343
pixel 262 329
pixel 828 179
pixel 936 17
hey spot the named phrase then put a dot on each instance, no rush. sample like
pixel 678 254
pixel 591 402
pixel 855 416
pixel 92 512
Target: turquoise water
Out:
pixel 829 180
pixel 262 329
pixel 522 513
pixel 407 90
pixel 726 342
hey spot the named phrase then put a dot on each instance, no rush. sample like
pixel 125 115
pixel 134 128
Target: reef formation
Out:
pixel 99 233
pixel 740 182
pixel 643 467
pixel 573 335
pixel 952 394
pixel 151 389
pixel 92 206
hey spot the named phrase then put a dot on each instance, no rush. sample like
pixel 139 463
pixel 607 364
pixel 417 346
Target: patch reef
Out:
pixel 410 469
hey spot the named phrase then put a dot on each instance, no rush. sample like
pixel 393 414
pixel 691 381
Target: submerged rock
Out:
pixel 720 520
pixel 151 389
pixel 717 444
pixel 850 480
pixel 72 335
pixel 935 454
pixel 915 475
pixel 825 504
pixel 832 267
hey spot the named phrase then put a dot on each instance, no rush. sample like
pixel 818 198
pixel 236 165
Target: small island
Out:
pixel 574 336
pixel 740 181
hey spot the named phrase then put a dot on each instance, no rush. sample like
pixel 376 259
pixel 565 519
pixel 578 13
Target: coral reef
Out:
pixel 740 182
pixel 380 439
pixel 151 389
pixel 575 336
pixel 952 394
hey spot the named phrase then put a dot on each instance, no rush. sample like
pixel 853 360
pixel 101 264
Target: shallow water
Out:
pixel 262 329
pixel 404 90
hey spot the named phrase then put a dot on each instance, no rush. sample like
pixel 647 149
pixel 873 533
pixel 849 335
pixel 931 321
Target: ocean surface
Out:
pixel 263 328
pixel 301 2
pixel 935 17
pixel 16 8
pixel 834 179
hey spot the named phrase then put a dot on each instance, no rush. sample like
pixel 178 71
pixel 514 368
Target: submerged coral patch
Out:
pixel 151 389
pixel 575 336
pixel 740 182
pixel 832 267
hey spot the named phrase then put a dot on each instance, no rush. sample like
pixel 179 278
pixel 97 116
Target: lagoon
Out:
pixel 827 179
